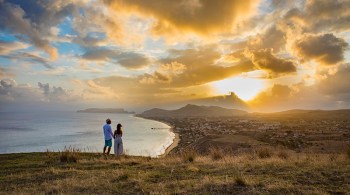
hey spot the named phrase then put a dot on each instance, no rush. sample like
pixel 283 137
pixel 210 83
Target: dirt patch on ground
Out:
pixel 229 143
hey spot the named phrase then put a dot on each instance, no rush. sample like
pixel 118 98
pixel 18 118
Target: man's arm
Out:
pixel 110 131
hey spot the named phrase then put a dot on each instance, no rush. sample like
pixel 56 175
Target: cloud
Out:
pixel 133 60
pixel 273 37
pixel 96 91
pixel 199 66
pixel 322 15
pixel 14 19
pixel 129 60
pixel 6 85
pixel 277 4
pixel 45 88
pixel 96 20
pixel 10 91
pixel 178 76
pixel 200 16
pixel 326 49
pixel 338 83
pixel 298 96
pixel 29 57
pixel 327 18
pixel 56 94
pixel 7 47
pixel 264 59
pixel 5 73
pixel 156 77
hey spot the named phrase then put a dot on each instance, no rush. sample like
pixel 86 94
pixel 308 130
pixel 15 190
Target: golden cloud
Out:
pixel 200 16
pixel 338 83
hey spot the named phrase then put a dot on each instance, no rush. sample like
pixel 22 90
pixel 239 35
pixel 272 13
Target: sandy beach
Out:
pixel 175 141
pixel 172 146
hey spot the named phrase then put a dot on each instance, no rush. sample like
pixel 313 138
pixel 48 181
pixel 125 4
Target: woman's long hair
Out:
pixel 119 129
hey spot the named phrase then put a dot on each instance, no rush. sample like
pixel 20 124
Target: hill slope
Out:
pixel 194 111
pixel 43 173
pixel 316 114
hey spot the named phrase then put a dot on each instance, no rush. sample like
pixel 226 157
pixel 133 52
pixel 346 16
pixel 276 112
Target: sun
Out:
pixel 244 87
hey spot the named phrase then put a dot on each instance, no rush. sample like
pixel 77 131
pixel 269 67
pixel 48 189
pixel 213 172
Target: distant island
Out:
pixel 106 110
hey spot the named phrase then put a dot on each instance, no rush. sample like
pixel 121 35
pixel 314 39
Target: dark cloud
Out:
pixel 329 15
pixel 11 91
pixel 202 16
pixel 56 94
pixel 6 85
pixel 156 77
pixel 278 4
pixel 14 19
pixel 29 57
pixel 7 47
pixel 324 48
pixel 130 60
pixel 322 15
pixel 264 59
pixel 133 60
pixel 100 54
pixel 45 88
pixel 273 37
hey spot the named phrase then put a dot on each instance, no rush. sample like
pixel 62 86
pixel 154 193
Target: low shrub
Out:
pixel 189 155
pixel 264 153
pixel 216 153
pixel 69 155
pixel 50 157
pixel 239 179
pixel 333 157
pixel 283 154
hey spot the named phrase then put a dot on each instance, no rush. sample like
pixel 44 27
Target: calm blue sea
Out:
pixel 41 131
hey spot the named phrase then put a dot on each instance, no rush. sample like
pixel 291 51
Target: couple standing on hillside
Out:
pixel 117 136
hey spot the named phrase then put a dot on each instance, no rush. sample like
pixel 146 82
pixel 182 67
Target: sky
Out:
pixel 138 54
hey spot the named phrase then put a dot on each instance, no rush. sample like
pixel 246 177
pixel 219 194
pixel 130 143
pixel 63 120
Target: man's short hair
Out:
pixel 108 121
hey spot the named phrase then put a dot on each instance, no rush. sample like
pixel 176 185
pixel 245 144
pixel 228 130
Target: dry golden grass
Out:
pixel 93 173
pixel 189 155
pixel 216 153
pixel 283 155
pixel 70 155
pixel 264 152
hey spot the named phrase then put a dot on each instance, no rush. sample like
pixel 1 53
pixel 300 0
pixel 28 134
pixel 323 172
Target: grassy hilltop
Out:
pixel 293 152
pixel 264 171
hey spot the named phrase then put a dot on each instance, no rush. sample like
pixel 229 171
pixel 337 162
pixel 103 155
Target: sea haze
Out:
pixel 41 131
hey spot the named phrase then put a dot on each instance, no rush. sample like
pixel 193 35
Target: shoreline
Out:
pixel 176 139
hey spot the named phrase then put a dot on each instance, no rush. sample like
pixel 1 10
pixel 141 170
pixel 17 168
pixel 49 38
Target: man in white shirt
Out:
pixel 107 131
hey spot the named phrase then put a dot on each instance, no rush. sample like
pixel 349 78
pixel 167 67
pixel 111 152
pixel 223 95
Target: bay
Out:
pixel 41 131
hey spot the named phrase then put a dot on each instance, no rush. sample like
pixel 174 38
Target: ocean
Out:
pixel 53 131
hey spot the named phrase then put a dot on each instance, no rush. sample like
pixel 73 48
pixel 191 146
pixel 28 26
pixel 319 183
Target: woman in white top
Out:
pixel 118 141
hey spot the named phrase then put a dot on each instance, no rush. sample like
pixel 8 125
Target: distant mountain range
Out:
pixel 231 101
pixel 191 110
pixel 194 111
pixel 105 110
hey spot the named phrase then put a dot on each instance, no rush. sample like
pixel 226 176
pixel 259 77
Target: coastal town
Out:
pixel 297 134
